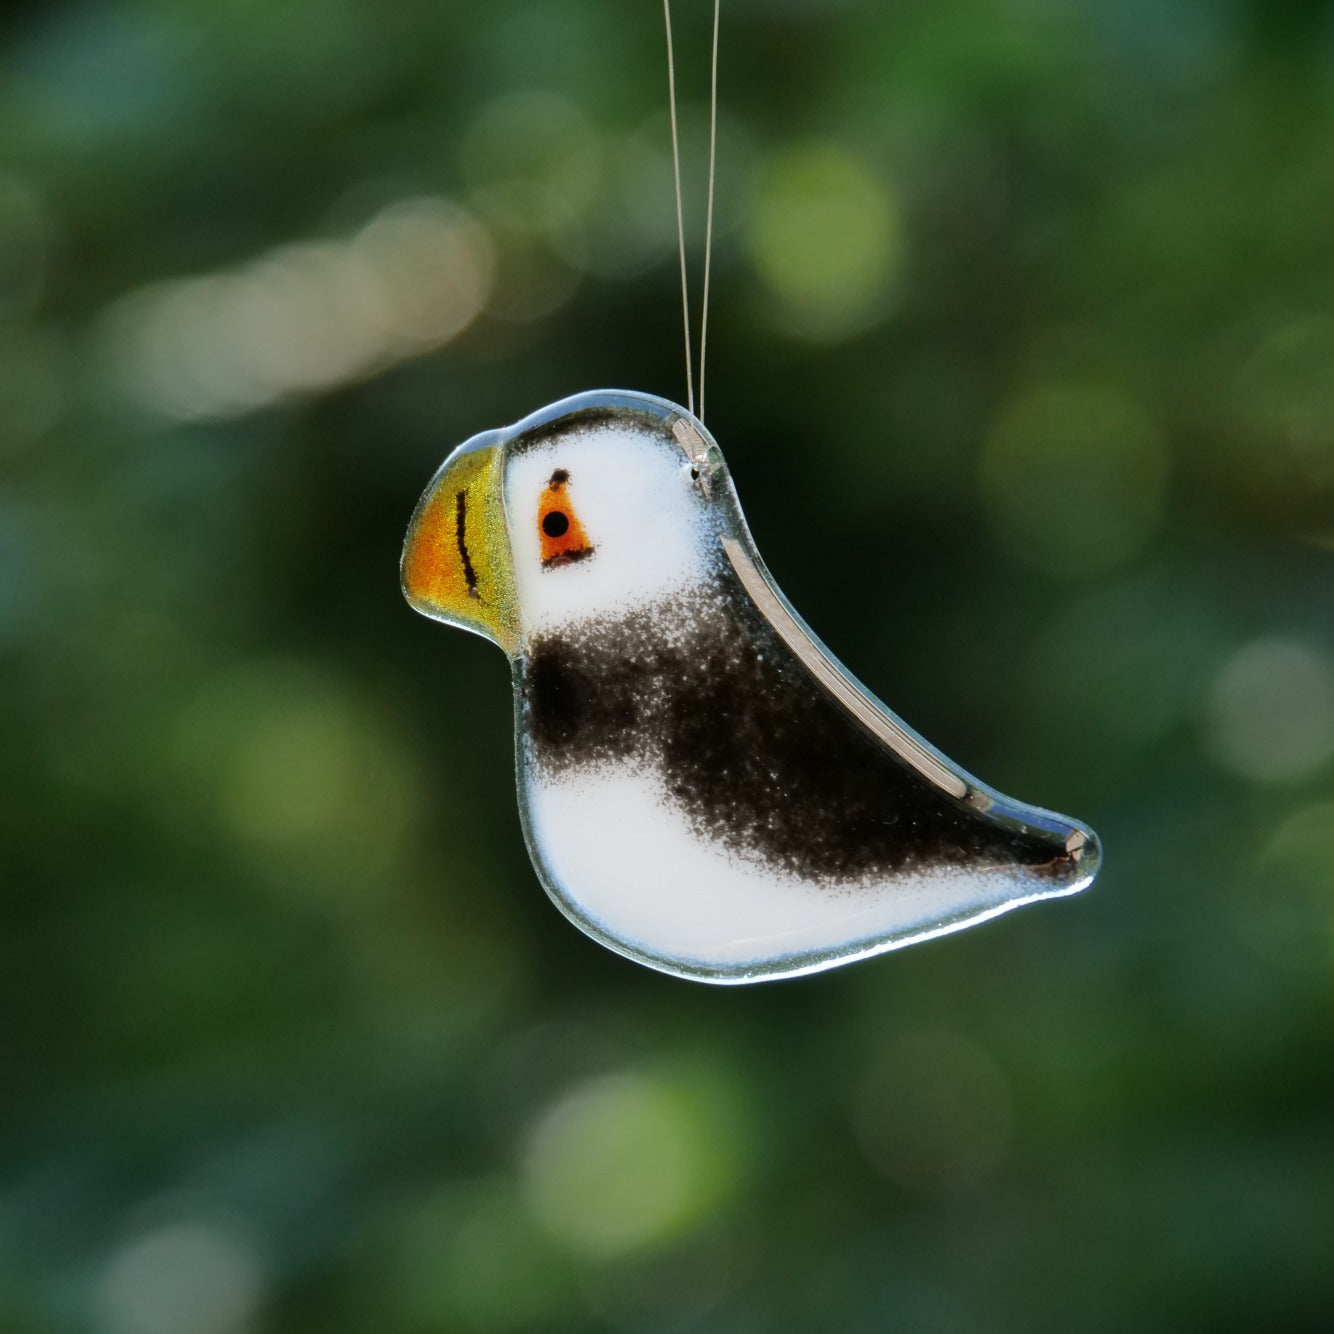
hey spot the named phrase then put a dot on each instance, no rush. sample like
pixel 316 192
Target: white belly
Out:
pixel 620 858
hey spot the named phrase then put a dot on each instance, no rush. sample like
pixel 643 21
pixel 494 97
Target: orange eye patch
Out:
pixel 562 535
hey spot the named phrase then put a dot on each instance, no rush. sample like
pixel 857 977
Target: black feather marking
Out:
pixel 580 419
pixel 460 537
pixel 754 752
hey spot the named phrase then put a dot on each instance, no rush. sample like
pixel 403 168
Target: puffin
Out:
pixel 703 787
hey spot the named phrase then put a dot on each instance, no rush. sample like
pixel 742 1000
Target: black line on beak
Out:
pixel 460 536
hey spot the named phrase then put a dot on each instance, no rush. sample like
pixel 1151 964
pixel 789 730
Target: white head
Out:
pixel 602 518
pixel 596 506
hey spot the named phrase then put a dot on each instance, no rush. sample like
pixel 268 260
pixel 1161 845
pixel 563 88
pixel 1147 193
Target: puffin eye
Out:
pixel 562 536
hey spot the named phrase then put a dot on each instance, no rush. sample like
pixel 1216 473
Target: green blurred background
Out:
pixel 1023 359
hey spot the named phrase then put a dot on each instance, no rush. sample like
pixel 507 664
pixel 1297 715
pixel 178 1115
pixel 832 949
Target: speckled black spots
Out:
pixel 754 753
pixel 566 557
pixel 581 419
pixel 569 711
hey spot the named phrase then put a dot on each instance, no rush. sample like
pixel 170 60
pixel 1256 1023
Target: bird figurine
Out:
pixel 703 787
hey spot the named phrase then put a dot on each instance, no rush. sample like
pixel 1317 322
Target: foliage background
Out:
pixel 1021 356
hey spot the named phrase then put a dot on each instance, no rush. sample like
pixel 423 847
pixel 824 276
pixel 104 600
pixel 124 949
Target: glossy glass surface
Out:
pixel 704 787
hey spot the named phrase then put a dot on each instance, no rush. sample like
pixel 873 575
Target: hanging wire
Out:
pixel 680 213
pixel 680 207
pixel 708 226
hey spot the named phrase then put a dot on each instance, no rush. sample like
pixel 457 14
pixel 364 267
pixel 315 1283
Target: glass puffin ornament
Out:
pixel 703 786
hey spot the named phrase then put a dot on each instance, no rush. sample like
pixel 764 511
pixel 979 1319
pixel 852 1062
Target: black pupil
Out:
pixel 555 524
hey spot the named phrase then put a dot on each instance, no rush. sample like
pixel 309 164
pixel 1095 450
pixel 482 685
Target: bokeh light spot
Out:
pixel 296 767
pixel 428 266
pixel 185 1278
pixel 632 224
pixel 1270 711
pixel 1277 439
pixel 624 1162
pixel 541 247
pixel 471 1258
pixel 825 238
pixel 1285 912
pixel 538 138
pixel 304 317
pixel 1074 478
pixel 1286 392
